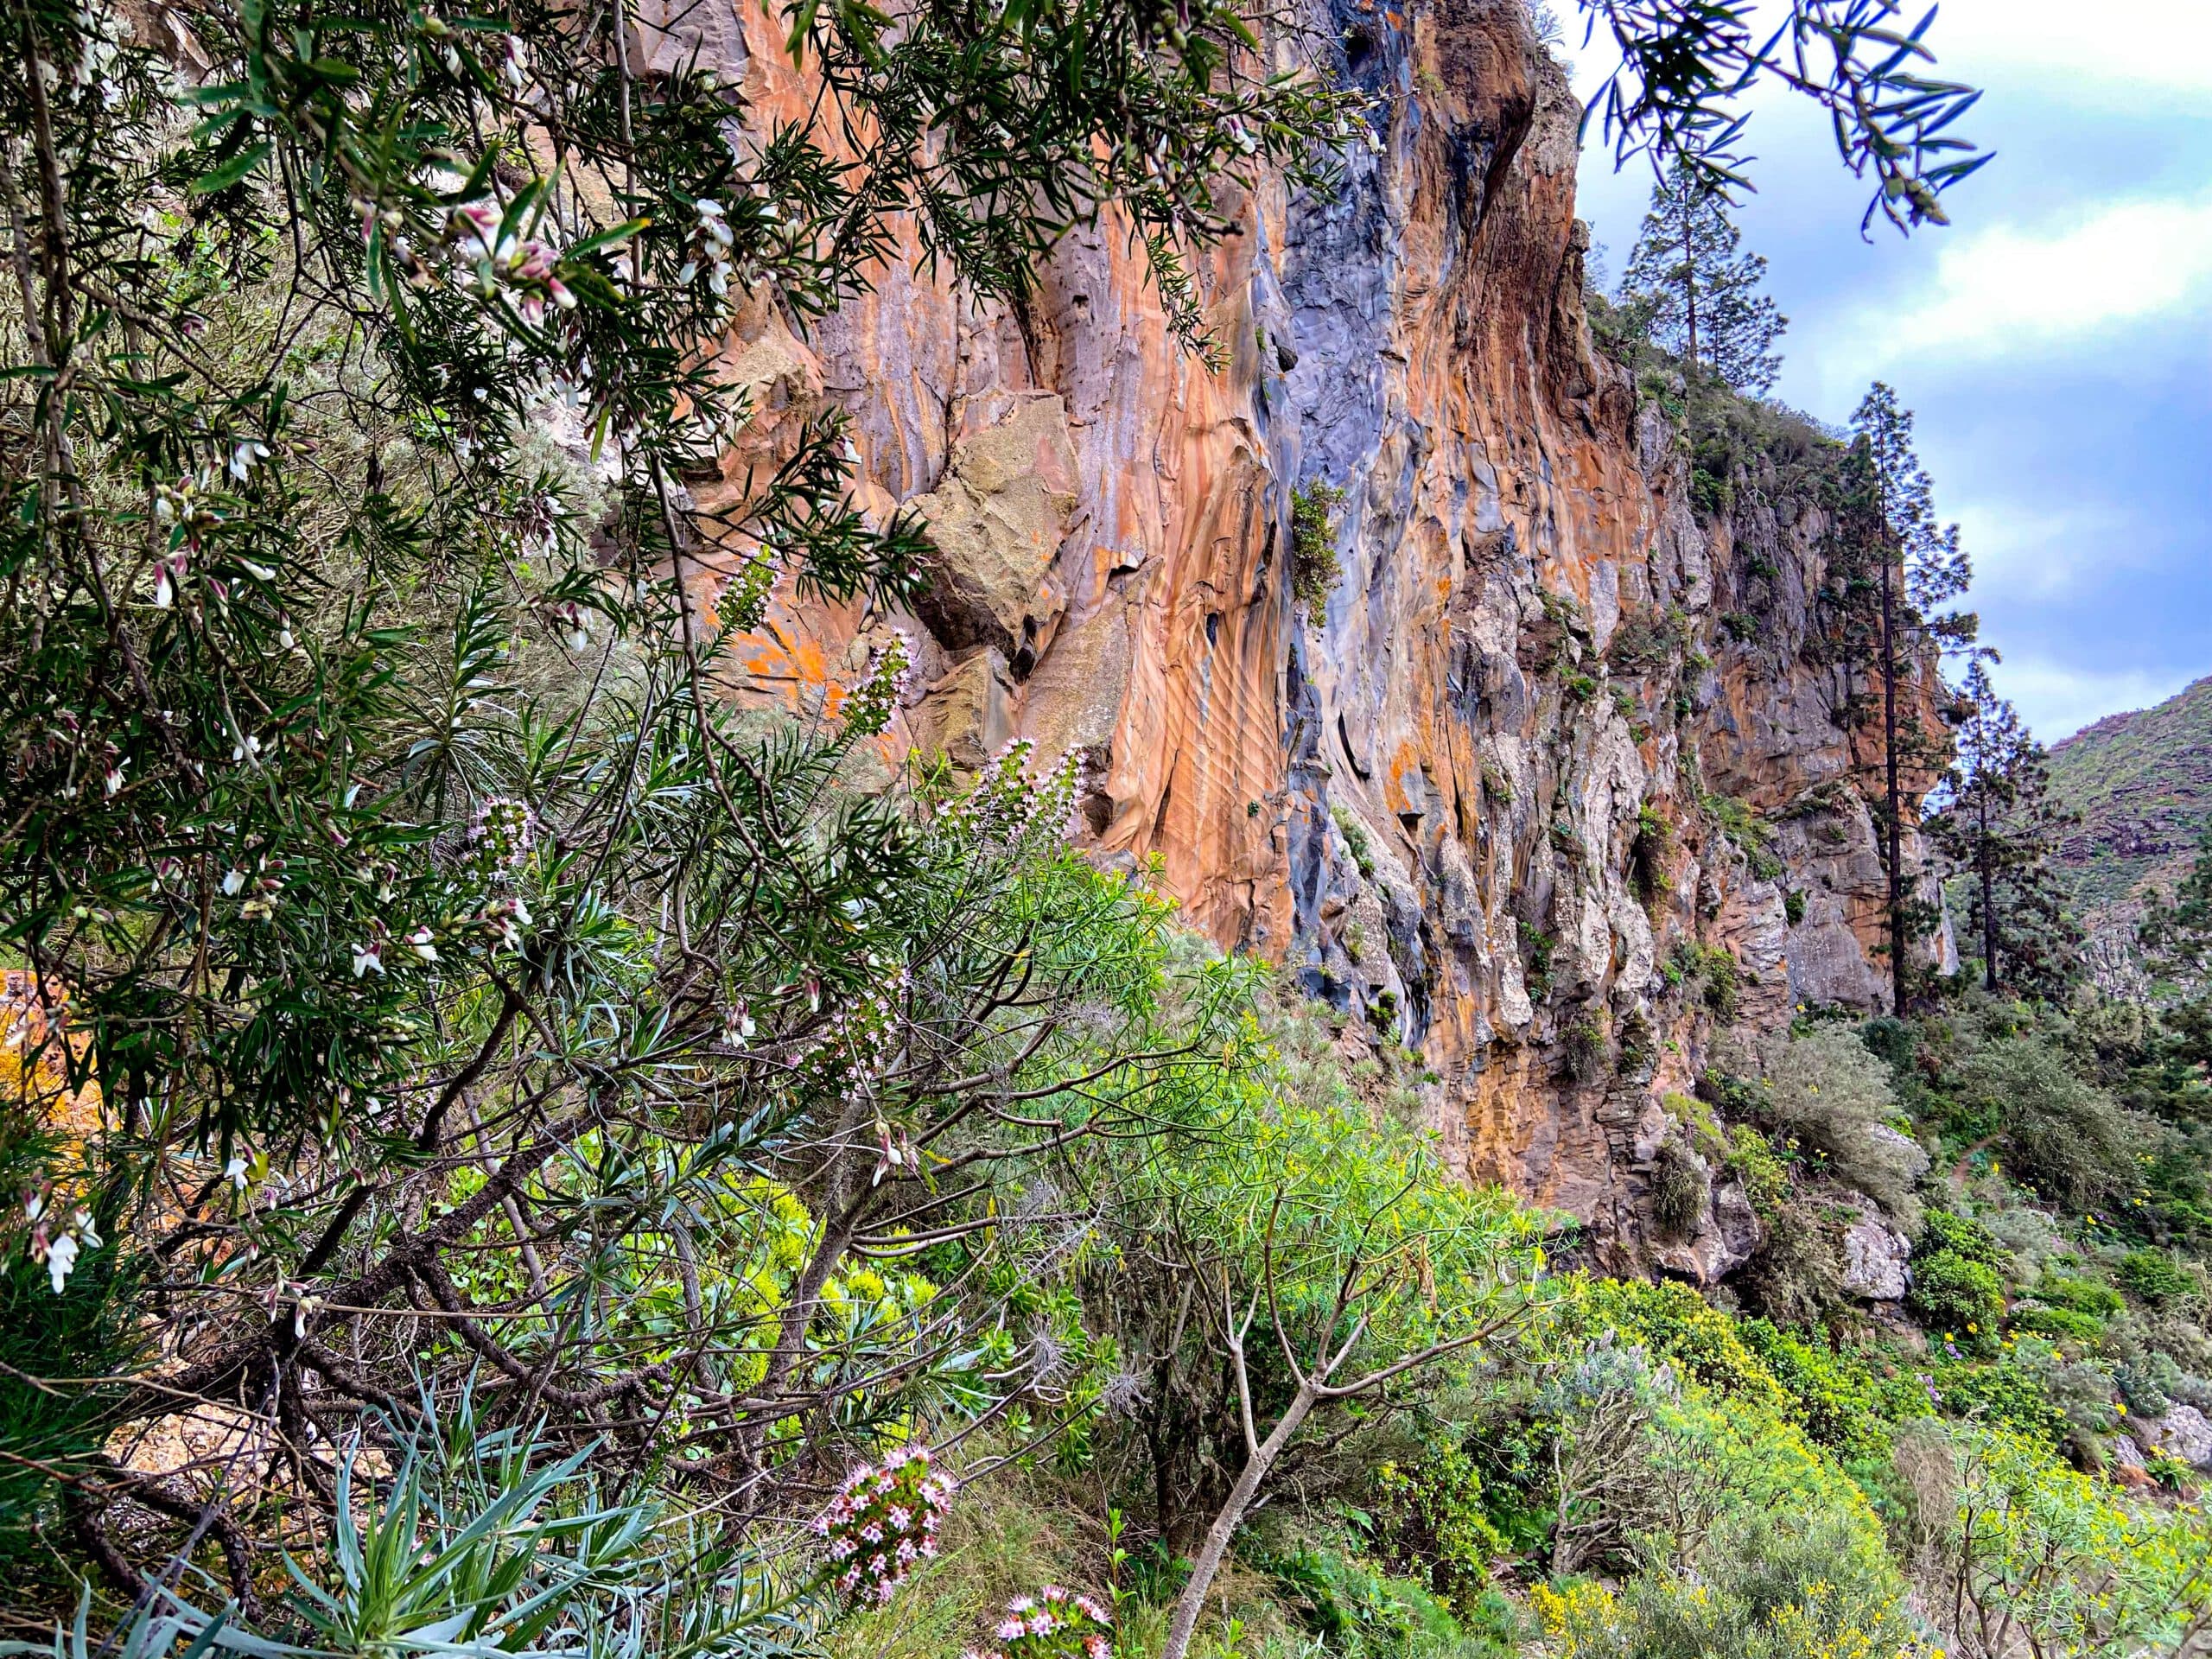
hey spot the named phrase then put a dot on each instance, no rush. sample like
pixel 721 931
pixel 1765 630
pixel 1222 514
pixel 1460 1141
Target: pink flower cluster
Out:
pixel 500 834
pixel 881 1522
pixel 869 707
pixel 1053 1625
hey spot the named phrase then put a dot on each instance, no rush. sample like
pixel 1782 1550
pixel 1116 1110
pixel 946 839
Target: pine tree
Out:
pixel 1899 565
pixel 2001 829
pixel 1696 292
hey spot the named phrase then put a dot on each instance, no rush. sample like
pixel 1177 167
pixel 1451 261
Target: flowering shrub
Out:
pixel 881 1522
pixel 1053 1625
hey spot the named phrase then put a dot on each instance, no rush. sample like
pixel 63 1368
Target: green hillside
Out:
pixel 2142 783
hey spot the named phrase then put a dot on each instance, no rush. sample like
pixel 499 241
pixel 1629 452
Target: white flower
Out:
pixel 233 882
pixel 421 940
pixel 368 959
pixel 235 1173
pixel 61 1256
pixel 34 1206
pixel 259 572
pixel 88 1231
pixel 115 775
pixel 245 457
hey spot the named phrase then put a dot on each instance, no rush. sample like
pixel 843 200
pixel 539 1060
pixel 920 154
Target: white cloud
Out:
pixel 2158 46
pixel 1998 292
pixel 2057 699
pixel 2035 552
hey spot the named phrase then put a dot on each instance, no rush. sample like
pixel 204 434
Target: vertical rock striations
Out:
pixel 1562 774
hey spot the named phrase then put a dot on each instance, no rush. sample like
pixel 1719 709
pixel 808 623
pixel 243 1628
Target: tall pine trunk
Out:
pixel 1895 792
pixel 1689 283
pixel 1987 862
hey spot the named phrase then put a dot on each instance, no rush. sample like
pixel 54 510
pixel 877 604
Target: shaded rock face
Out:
pixel 2184 1432
pixel 1876 1258
pixel 1480 801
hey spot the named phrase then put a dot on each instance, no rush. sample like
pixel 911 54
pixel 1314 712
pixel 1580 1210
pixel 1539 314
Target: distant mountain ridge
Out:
pixel 2142 783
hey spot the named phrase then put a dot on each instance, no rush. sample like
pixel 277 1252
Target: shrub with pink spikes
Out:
pixel 881 1522
pixel 1054 1624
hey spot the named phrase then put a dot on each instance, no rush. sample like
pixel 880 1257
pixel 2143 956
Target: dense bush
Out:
pixel 1763 1586
pixel 1826 1089
pixel 2155 1276
pixel 2071 1139
pixel 1958 1288
pixel 1796 1276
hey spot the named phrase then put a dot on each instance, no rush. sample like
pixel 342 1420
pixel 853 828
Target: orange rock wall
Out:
pixel 1432 802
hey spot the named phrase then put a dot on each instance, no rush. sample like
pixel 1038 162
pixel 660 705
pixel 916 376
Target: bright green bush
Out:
pixel 2062 1324
pixel 1315 567
pixel 2081 1296
pixel 1753 1161
pixel 1962 1301
pixel 2155 1277
pixel 1836 1397
pixel 1430 1523
pixel 1674 1325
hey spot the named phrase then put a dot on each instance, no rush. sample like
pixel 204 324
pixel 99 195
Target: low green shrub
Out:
pixel 1315 567
pixel 1428 1522
pixel 1360 1611
pixel 1960 1300
pixel 2060 1324
pixel 2079 1295
pixel 1763 1586
pixel 1765 1176
pixel 2155 1276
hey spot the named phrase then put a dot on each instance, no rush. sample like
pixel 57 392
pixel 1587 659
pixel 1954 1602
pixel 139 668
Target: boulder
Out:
pixel 2184 1433
pixel 1725 1240
pixel 1875 1257
pixel 998 518
pixel 966 715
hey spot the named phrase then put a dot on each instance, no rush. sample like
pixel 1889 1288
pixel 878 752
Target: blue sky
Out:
pixel 2055 339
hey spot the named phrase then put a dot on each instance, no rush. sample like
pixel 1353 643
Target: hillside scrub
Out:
pixel 1826 1089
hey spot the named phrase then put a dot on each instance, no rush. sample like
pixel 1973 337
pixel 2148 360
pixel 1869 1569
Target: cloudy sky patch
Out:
pixel 2055 339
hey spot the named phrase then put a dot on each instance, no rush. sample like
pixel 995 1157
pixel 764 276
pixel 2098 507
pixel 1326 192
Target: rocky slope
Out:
pixel 2142 783
pixel 1558 777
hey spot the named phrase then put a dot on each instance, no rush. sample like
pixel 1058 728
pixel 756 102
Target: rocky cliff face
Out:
pixel 2142 783
pixel 1532 792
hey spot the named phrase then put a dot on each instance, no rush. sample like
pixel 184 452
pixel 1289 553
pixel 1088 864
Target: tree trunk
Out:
pixel 1988 860
pixel 1689 289
pixel 1895 792
pixel 1211 1553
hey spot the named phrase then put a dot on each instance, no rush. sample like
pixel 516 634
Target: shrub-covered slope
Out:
pixel 2142 783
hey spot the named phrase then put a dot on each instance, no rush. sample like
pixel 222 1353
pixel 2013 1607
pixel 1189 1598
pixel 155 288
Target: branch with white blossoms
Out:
pixel 58 1238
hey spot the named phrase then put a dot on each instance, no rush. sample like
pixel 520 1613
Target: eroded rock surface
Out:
pixel 1556 730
